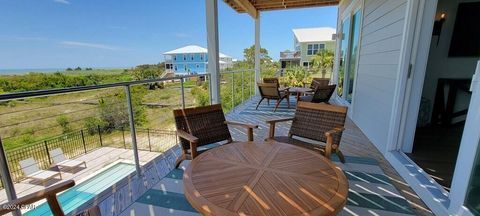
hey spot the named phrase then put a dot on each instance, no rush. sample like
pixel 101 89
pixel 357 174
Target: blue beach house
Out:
pixel 192 59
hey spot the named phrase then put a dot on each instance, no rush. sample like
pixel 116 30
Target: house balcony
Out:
pixel 374 187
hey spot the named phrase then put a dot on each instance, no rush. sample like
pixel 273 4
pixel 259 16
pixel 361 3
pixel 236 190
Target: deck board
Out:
pixel 354 142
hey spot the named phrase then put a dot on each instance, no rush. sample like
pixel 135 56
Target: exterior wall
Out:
pixel 379 60
pixel 195 63
pixel 329 45
pixel 189 63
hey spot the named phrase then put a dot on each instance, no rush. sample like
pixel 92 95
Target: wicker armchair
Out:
pixel 201 126
pixel 318 122
pixel 321 94
pixel 270 91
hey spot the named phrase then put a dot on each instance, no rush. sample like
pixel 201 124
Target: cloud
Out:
pixel 89 45
pixel 181 35
pixel 62 1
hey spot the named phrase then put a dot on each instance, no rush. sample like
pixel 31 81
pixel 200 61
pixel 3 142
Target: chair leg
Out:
pixel 278 103
pixel 340 155
pixel 288 101
pixel 268 102
pixel 259 102
pixel 179 161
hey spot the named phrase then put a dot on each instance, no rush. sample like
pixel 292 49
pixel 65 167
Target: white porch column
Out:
pixel 258 78
pixel 213 51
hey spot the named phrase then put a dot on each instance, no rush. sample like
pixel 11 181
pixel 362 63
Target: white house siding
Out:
pixel 379 59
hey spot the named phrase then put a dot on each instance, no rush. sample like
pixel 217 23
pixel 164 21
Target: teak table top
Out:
pixel 264 178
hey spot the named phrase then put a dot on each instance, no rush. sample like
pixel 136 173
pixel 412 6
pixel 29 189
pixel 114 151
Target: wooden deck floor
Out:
pixel 354 142
pixel 95 160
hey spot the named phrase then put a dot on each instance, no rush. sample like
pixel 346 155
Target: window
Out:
pixel 313 49
pixel 174 58
pixel 198 66
pixel 201 57
pixel 353 54
pixel 306 64
pixel 349 46
pixel 191 57
pixel 184 57
pixel 176 69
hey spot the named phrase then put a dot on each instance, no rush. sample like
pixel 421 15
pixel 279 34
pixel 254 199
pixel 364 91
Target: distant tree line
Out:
pixel 40 81
pixel 79 69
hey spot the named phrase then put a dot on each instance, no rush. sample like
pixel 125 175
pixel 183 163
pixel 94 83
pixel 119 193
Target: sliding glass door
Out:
pixel 349 50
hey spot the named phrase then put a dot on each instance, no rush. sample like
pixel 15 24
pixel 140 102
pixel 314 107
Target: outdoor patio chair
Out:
pixel 321 94
pixel 50 194
pixel 270 91
pixel 316 82
pixel 276 81
pixel 201 126
pixel 61 161
pixel 32 171
pixel 314 122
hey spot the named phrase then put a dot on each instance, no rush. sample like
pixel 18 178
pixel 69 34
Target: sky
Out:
pixel 125 33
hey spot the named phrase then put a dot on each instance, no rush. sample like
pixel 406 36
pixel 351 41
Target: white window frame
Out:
pixel 348 14
pixel 320 46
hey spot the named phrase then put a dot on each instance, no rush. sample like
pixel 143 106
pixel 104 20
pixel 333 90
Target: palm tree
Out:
pixel 323 61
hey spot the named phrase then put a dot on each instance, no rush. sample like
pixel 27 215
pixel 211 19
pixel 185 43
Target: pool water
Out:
pixel 81 193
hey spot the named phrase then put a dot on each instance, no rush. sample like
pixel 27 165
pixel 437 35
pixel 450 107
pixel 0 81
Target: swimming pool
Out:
pixel 84 191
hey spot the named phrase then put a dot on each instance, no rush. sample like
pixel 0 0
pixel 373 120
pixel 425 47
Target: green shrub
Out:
pixel 92 124
pixel 295 76
pixel 63 121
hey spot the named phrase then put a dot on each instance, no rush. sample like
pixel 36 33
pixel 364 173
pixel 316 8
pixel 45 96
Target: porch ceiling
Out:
pixel 254 6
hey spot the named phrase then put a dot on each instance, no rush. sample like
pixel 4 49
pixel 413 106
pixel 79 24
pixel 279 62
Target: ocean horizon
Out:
pixel 47 70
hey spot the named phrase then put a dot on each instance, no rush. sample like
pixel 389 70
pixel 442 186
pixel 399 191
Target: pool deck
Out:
pixel 95 160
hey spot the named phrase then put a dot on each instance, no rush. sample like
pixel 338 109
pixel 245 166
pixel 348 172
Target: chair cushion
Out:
pixel 295 141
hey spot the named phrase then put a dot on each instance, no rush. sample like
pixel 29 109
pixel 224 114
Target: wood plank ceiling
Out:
pixel 242 6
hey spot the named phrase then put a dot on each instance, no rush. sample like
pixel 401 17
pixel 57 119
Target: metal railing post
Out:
pixel 251 85
pixel 100 135
pixel 183 92
pixel 243 87
pixel 233 90
pixel 46 149
pixel 133 134
pixel 123 135
pixel 7 178
pixel 149 143
pixel 83 140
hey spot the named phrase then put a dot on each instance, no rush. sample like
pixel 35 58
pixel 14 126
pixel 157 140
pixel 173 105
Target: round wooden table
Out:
pixel 299 91
pixel 264 178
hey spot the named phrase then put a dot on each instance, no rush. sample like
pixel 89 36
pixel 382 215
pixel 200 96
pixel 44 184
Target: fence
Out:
pixel 236 87
pixel 83 141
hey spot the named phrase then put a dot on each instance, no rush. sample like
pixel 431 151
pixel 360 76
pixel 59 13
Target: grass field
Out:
pixel 25 121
